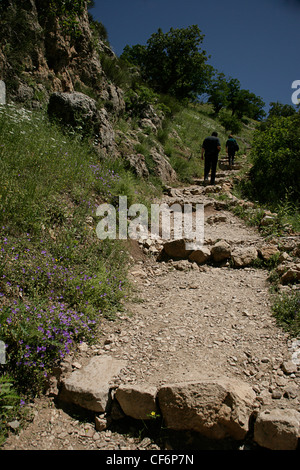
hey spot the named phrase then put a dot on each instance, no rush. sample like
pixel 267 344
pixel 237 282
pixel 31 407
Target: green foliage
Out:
pixel 68 8
pixel 9 404
pixel 17 46
pixel 242 102
pixel 218 92
pixel 286 309
pixel 67 11
pixel 230 123
pixel 227 93
pixel 62 7
pixel 116 70
pixel 138 99
pixel 276 164
pixel 172 63
pixel 284 110
pixel 98 29
pixel 21 35
pixel 247 104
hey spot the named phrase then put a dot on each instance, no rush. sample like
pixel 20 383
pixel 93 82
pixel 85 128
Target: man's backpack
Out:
pixel 233 145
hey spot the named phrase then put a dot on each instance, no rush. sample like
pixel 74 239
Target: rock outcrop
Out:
pixel 78 110
pixel 52 59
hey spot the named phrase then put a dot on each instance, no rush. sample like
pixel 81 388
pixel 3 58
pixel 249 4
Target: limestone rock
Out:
pixel 277 429
pixel 292 274
pixel 114 95
pixel 77 109
pixel 163 168
pixel 214 407
pixel 214 219
pixel 289 367
pixel 151 117
pixel 267 220
pixel 148 124
pixel 177 249
pixel 104 131
pixel 243 256
pixel 221 251
pixel 137 401
pixel 89 387
pixel 100 423
pixel 200 256
pixel 267 251
pixel 137 164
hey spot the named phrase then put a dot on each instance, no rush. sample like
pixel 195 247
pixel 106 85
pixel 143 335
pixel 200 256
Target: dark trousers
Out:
pixel 231 156
pixel 210 165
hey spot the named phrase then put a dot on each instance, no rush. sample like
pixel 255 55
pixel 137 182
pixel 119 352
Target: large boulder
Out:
pixel 267 251
pixel 74 109
pixel 292 274
pixel 215 407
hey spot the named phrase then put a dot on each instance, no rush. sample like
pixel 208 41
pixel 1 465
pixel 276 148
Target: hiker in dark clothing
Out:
pixel 231 148
pixel 210 149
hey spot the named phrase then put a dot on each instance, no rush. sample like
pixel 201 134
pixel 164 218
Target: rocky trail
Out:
pixel 196 344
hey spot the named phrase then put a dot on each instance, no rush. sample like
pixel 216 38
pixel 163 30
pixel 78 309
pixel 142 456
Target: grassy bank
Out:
pixel 57 279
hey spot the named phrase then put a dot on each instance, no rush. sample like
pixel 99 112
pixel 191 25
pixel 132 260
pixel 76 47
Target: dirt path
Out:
pixel 184 321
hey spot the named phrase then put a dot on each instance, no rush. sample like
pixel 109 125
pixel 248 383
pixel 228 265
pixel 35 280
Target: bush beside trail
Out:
pixel 274 176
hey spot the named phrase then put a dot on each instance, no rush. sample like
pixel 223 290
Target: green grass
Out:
pixel 286 309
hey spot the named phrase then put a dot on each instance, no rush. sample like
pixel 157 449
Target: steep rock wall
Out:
pixel 38 55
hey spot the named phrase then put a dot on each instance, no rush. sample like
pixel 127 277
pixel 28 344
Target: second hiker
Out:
pixel 231 148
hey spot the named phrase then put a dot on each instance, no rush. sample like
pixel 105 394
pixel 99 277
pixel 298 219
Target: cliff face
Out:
pixel 54 61
pixel 38 55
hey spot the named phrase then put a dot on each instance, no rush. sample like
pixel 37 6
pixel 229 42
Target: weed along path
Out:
pixel 196 346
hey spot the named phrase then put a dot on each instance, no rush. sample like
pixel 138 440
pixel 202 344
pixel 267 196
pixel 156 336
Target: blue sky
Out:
pixel 255 41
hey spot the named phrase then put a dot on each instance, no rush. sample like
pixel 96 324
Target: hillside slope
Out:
pixel 108 135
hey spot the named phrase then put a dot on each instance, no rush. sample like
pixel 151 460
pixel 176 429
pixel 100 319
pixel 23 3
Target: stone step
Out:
pixel 218 180
pixel 223 165
pixel 184 406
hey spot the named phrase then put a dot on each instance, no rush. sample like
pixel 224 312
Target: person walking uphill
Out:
pixel 210 149
pixel 231 148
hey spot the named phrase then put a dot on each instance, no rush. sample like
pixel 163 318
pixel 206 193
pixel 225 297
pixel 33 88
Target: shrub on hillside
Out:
pixel 231 123
pixel 274 176
pixel 286 309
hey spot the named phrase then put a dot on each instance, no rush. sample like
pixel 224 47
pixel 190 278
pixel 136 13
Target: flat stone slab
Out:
pixel 90 386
